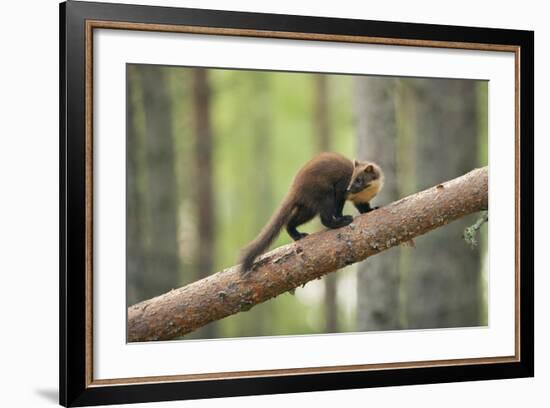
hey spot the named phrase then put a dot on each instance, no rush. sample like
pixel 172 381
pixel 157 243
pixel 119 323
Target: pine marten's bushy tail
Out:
pixel 267 235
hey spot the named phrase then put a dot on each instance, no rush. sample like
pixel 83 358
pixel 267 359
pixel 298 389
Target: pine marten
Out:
pixel 321 187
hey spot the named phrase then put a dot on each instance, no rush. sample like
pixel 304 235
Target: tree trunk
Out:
pixel 322 132
pixel 378 277
pixel 322 113
pixel 406 177
pixel 161 255
pixel 136 267
pixel 183 310
pixel 204 204
pixel 444 271
pixel 256 107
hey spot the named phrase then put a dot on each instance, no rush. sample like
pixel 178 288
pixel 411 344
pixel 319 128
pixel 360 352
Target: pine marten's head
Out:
pixel 366 181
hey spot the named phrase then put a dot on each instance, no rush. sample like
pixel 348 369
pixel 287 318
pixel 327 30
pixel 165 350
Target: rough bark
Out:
pixel 227 292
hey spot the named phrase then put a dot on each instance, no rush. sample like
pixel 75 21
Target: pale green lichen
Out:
pixel 470 233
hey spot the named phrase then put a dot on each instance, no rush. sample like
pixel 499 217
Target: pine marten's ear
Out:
pixel 369 169
pixel 355 163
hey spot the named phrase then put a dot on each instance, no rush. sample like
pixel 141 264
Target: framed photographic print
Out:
pixel 256 203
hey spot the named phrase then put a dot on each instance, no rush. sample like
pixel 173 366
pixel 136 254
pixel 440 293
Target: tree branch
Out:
pixel 183 310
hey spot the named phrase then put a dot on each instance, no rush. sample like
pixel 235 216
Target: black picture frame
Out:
pixel 76 389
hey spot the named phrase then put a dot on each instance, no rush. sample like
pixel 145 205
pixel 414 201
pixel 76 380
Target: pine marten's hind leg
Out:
pixel 331 213
pixel 300 216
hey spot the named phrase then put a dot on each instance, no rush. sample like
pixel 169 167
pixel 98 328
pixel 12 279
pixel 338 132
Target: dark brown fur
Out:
pixel 321 187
